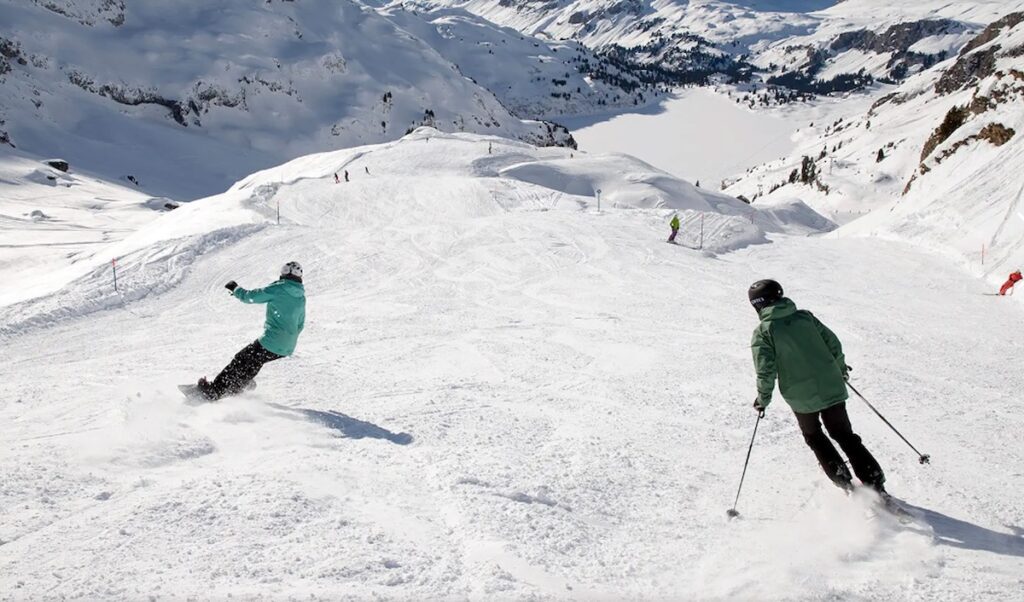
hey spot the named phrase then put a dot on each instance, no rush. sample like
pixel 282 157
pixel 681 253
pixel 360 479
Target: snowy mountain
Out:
pixel 160 90
pixel 934 161
pixel 816 46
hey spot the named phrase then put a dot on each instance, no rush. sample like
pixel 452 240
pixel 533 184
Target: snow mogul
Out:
pixel 286 317
pixel 807 358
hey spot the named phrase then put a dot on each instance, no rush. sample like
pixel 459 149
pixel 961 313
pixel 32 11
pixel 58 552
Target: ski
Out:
pixel 896 508
pixel 885 502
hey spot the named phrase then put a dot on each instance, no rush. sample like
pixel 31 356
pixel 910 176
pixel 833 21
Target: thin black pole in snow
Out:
pixel 921 458
pixel 279 212
pixel 732 512
pixel 113 264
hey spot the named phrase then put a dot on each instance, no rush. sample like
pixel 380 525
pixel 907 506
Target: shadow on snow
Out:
pixel 347 426
pixel 953 532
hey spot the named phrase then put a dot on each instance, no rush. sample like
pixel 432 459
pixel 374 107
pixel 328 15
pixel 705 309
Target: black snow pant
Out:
pixel 837 422
pixel 241 370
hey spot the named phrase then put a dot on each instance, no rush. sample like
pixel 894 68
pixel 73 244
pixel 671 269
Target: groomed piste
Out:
pixel 502 392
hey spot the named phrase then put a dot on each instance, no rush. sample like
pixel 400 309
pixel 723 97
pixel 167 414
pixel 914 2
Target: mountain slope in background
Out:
pixel 187 97
pixel 937 161
pixel 810 46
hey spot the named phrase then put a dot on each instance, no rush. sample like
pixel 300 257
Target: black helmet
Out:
pixel 764 293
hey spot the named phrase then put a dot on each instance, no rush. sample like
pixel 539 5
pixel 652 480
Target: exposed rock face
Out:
pixel 10 51
pixel 996 133
pixel 973 65
pixel 992 31
pixel 127 95
pixel 88 12
pixel 58 164
pixel 898 38
pixel 955 118
pixel 968 69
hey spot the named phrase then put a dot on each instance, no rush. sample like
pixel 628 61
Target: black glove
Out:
pixel 847 369
pixel 231 286
pixel 757 404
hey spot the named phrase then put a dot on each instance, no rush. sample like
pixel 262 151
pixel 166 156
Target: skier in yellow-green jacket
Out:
pixel 674 224
pixel 794 347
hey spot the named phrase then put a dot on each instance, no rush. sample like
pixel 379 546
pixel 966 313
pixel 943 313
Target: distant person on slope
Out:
pixel 286 316
pixel 1007 287
pixel 674 224
pixel 807 358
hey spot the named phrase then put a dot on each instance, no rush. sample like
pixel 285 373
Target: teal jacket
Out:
pixel 286 313
pixel 806 357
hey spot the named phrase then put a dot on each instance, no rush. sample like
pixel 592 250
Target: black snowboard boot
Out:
pixel 206 388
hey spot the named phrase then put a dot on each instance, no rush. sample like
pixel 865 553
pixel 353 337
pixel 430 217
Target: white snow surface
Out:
pixel 501 394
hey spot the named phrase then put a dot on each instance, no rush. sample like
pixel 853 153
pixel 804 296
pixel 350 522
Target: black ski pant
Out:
pixel 837 423
pixel 243 368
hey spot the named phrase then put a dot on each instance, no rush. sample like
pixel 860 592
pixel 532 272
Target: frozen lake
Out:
pixel 696 134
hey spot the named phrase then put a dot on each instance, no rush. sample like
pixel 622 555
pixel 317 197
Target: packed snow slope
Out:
pixel 188 97
pixel 487 174
pixel 936 161
pixel 501 394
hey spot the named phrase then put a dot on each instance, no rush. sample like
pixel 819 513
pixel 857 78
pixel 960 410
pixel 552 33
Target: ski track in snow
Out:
pixel 494 404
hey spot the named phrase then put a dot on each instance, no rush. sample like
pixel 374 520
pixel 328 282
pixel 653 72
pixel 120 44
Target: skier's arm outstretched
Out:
pixel 833 344
pixel 763 350
pixel 256 295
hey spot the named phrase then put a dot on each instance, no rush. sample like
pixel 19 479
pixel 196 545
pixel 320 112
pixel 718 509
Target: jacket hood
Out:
pixel 292 288
pixel 782 309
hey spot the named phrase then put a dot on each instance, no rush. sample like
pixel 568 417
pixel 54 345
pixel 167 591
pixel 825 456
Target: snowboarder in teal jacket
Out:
pixel 285 319
pixel 794 347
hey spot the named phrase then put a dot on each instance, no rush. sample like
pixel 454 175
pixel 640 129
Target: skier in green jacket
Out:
pixel 286 317
pixel 674 224
pixel 807 359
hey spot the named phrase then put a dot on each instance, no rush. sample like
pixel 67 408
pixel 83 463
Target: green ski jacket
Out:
pixel 806 357
pixel 286 313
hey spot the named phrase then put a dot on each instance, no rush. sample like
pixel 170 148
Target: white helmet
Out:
pixel 292 268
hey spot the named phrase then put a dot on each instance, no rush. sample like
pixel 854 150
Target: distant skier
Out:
pixel 286 317
pixel 674 224
pixel 1007 287
pixel 807 358
pixel 367 168
pixel 336 180
pixel 346 175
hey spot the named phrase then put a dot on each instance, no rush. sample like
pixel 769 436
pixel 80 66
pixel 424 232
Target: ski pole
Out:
pixel 732 513
pixel 922 458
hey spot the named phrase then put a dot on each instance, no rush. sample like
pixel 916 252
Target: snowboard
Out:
pixel 192 394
